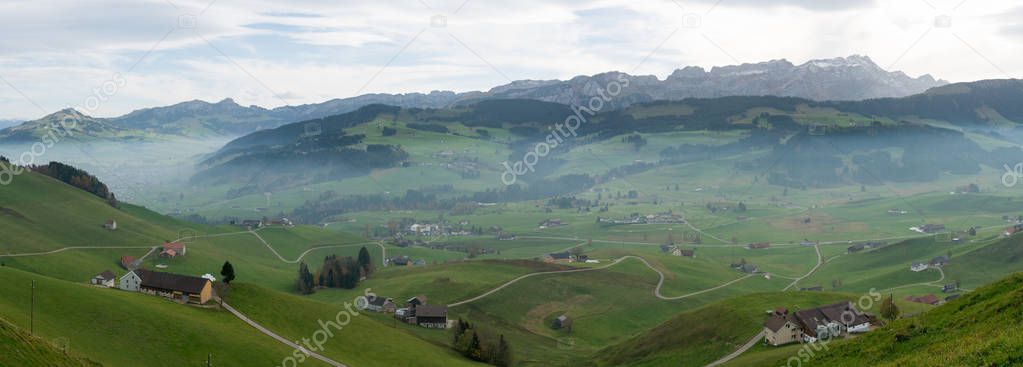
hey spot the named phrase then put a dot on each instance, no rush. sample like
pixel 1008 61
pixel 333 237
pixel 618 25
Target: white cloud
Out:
pixel 307 51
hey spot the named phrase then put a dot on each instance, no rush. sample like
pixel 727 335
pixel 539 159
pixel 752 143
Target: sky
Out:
pixel 106 57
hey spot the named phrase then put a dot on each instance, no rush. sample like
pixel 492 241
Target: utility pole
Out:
pixel 32 311
pixel 209 359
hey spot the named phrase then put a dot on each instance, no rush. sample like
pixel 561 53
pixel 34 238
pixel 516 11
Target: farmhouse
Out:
pixel 399 261
pixel 855 248
pixel 129 262
pixel 1016 228
pixel 687 253
pixel 929 228
pixel 950 287
pixel 918 267
pixel 561 322
pixel 505 237
pixel 423 229
pixel 558 257
pixel 939 261
pixel 381 304
pixel 181 288
pixel 173 249
pixel 758 245
pixel 746 268
pixel 826 322
pixel 547 223
pixel 110 224
pixel 105 279
pixel 252 223
pixel 430 316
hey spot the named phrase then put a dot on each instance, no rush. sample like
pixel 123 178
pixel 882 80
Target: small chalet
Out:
pixel 252 223
pixel 430 316
pixel 381 304
pixel 129 263
pixel 104 279
pixel 931 228
pixel 110 224
pixel 399 261
pixel 173 249
pixel 505 237
pixel 558 257
pixel 950 287
pixel 939 261
pixel 929 299
pixel 758 245
pixel 561 322
pixel 547 223
pixel 745 268
pixel 918 267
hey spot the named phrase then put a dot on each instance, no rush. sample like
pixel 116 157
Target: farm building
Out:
pixel 110 224
pixel 173 249
pixel 561 322
pixel 381 304
pixel 826 322
pixel 178 287
pixel 939 261
pixel 430 316
pixel 918 267
pixel 105 279
pixel 745 268
pixel 758 245
pixel 129 263
pixel 558 257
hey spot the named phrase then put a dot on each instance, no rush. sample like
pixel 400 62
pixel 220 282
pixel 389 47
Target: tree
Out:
pixel 889 310
pixel 365 261
pixel 227 272
pixel 502 356
pixel 305 279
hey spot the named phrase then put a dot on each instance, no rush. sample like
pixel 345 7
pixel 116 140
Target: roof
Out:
pixel 378 301
pixel 777 321
pixel 560 256
pixel 111 221
pixel 421 298
pixel 170 281
pixel 178 246
pixel 431 311
pixel 928 299
pixel 106 275
pixel 821 316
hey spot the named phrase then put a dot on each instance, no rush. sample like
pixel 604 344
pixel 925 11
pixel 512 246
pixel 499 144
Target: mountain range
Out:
pixel 844 78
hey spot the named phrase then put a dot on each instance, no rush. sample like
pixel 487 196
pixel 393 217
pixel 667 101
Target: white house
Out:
pixel 130 282
pixel 918 267
pixel 105 279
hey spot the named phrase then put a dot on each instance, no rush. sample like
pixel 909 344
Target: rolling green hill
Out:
pixel 979 329
pixel 18 348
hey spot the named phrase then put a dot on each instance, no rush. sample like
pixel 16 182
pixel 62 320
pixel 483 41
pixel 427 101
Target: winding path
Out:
pixel 657 289
pixel 749 344
pixel 820 262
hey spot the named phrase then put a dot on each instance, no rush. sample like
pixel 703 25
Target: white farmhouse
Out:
pixel 130 282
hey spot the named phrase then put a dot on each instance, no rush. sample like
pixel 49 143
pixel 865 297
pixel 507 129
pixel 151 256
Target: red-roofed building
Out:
pixel 172 249
pixel 129 262
pixel 929 299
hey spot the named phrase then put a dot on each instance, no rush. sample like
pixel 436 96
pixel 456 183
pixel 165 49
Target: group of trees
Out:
pixel 475 345
pixel 77 178
pixel 336 272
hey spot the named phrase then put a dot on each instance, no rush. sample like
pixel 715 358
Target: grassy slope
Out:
pixel 18 348
pixel 700 336
pixel 980 329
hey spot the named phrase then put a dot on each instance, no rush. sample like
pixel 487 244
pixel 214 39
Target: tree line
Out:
pixel 479 346
pixel 336 272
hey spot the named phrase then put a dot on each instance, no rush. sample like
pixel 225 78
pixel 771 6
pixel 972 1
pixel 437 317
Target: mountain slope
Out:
pixel 851 78
pixel 18 348
pixel 979 329
pixel 69 124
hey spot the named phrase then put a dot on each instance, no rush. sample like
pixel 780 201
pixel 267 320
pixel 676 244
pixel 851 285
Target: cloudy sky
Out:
pixel 56 54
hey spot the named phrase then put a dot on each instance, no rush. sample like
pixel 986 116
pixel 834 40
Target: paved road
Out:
pixel 739 351
pixel 281 339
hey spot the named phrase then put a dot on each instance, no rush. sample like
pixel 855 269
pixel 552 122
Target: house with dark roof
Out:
pixel 809 326
pixel 104 279
pixel 561 322
pixel 558 257
pixel 745 268
pixel 758 245
pixel 380 304
pixel 782 328
pixel 430 316
pixel 939 261
pixel 110 224
pixel 182 288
